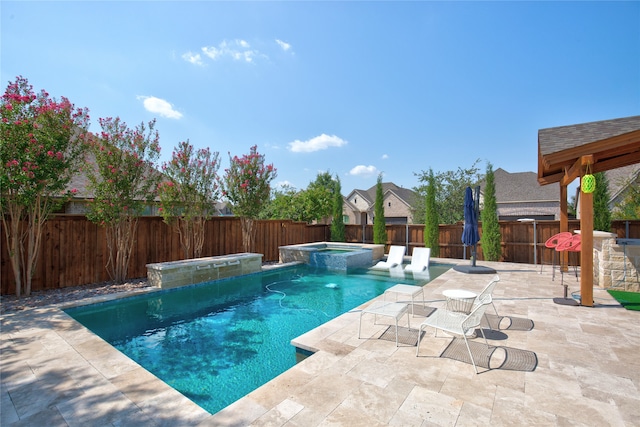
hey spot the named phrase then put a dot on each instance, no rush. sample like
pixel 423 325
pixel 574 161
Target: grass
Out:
pixel 629 300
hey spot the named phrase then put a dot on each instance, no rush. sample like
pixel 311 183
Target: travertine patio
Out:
pixel 55 372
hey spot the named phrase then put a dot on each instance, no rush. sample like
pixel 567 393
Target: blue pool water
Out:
pixel 217 342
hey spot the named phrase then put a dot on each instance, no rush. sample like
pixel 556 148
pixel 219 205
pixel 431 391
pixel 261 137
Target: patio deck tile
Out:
pixel 54 372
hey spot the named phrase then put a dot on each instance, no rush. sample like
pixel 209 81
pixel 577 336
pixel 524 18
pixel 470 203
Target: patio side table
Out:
pixel 459 300
pixel 394 310
pixel 410 290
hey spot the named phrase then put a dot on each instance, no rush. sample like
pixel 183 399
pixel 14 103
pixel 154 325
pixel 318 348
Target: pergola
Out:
pixel 569 152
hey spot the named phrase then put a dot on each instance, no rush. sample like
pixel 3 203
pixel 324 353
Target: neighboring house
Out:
pixel 518 196
pixel 620 180
pixel 223 209
pixel 82 196
pixel 359 205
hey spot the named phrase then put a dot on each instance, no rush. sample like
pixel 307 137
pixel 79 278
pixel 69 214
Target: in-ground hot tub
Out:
pixel 332 255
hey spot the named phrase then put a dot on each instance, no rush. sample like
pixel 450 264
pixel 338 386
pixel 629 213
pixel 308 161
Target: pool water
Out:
pixel 219 341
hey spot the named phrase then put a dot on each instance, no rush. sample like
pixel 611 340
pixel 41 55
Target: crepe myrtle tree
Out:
pixel 188 194
pixel 247 186
pixel 41 146
pixel 123 182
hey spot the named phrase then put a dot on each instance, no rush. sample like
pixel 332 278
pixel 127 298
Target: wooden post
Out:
pixel 564 226
pixel 586 236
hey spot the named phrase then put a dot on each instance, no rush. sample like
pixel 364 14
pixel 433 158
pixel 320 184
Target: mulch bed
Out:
pixel 11 303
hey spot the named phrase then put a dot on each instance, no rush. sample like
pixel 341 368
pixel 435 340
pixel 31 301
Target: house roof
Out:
pixel 363 193
pixel 564 151
pixel 404 194
pixel 618 179
pixel 521 187
pixel 369 195
pixel 80 181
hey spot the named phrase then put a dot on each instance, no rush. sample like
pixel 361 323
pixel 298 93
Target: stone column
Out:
pixel 602 243
pixel 616 266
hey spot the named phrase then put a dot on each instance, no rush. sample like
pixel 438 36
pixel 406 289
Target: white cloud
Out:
pixel 160 106
pixel 237 49
pixel 385 156
pixel 362 170
pixel 284 45
pixel 283 184
pixel 193 58
pixel 317 143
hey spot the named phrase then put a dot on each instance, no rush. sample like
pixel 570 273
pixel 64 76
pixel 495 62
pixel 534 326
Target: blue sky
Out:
pixel 354 88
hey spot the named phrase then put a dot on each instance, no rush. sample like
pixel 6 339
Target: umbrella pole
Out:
pixel 473 255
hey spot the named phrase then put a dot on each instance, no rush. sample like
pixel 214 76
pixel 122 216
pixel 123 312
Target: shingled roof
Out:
pixel 611 143
pixel 403 193
pixel 563 138
pixel 619 179
pixel 522 186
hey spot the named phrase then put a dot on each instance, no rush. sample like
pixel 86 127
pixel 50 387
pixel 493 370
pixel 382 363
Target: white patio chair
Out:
pixel 486 297
pixel 419 260
pixel 394 259
pixel 455 323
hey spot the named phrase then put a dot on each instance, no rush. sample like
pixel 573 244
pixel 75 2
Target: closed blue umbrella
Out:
pixel 470 235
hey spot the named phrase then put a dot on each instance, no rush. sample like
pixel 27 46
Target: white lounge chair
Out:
pixel 394 259
pixel 419 260
pixel 456 323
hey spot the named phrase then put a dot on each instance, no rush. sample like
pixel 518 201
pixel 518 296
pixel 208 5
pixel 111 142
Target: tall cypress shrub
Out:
pixel 431 220
pixel 379 224
pixel 337 223
pixel 491 238
pixel 601 211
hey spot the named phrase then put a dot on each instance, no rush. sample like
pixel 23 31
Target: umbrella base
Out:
pixel 474 269
pixel 566 301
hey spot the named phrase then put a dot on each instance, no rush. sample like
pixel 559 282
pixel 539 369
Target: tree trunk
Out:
pixel 248 234
pixel 120 240
pixel 198 236
pixel 14 236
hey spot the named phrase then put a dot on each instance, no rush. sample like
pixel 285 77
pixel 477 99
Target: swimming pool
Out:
pixel 217 342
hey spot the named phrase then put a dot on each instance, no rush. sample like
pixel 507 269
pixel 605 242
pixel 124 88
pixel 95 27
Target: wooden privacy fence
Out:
pixel 517 238
pixel 73 250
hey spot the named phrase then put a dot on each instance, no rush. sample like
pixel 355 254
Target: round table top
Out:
pixel 458 293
